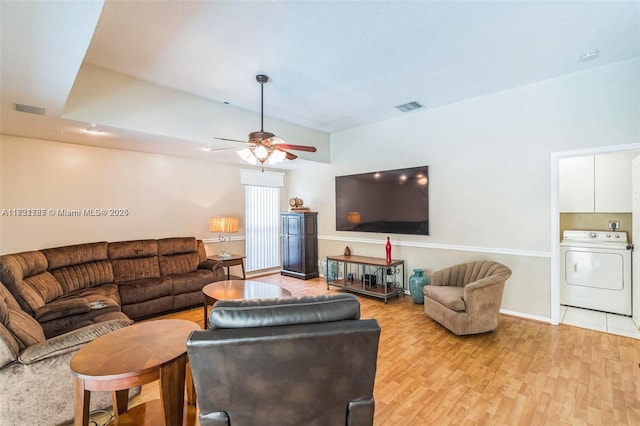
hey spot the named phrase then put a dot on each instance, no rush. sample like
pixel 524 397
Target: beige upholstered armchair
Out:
pixel 466 298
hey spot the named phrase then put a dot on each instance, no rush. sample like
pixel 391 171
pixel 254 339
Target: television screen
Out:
pixel 390 202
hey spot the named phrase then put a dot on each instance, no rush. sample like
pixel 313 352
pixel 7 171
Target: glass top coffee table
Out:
pixel 239 289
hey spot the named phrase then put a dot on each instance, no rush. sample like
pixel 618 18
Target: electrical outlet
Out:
pixel 614 225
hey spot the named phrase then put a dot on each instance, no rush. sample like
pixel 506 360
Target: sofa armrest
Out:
pixel 70 341
pixel 216 266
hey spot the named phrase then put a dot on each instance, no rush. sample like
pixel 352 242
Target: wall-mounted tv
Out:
pixel 389 201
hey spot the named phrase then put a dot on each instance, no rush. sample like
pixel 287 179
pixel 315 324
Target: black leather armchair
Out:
pixel 294 361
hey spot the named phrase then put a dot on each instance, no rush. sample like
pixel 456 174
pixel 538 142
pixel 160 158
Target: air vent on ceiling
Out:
pixel 30 109
pixel 409 106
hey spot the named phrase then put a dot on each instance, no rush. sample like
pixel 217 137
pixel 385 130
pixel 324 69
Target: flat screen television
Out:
pixel 389 201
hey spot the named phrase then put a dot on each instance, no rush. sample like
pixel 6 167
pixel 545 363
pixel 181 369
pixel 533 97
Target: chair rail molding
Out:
pixel 454 247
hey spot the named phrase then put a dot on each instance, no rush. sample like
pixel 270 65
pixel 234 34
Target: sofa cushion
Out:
pixel 9 349
pixel 26 276
pixel 80 266
pixel 75 255
pixel 142 290
pixel 179 245
pixel 62 308
pixel 191 281
pixel 23 327
pixel 178 263
pixel 26 330
pixel 80 302
pixel 125 270
pixel 449 296
pixel 178 255
pixel 86 275
pixel 132 249
pixel 76 310
pixel 134 260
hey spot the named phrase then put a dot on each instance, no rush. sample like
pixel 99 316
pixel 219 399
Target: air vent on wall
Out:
pixel 30 109
pixel 409 106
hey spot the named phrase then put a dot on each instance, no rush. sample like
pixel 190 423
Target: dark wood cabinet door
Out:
pixel 300 245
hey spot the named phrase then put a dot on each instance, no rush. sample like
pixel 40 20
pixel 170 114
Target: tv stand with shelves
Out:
pixel 367 275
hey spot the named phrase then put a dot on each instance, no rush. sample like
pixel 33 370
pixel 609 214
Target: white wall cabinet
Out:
pixel 596 184
pixel 576 184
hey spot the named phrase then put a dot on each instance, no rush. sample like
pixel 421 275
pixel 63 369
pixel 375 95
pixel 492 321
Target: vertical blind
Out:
pixel 262 222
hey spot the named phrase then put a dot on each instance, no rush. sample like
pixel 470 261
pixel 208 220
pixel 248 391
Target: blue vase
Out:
pixel 416 282
pixel 330 270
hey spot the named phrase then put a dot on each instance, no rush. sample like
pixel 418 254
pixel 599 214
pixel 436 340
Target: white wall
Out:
pixel 164 196
pixel 489 173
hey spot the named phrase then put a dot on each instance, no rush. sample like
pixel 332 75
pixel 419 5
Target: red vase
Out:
pixel 388 250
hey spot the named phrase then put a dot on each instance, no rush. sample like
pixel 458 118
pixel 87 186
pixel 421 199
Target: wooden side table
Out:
pixel 133 356
pixel 228 262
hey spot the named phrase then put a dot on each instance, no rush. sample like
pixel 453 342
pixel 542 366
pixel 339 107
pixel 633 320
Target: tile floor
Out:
pixel 601 321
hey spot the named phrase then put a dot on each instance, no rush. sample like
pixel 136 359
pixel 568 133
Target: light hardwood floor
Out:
pixel 524 373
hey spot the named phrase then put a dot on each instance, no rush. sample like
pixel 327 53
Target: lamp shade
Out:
pixel 353 217
pixel 225 225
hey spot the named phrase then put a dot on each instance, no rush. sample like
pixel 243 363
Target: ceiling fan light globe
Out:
pixel 247 156
pixel 261 152
pixel 277 156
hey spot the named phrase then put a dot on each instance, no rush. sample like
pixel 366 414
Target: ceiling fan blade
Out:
pixel 297 147
pixel 230 140
pixel 290 156
pixel 274 140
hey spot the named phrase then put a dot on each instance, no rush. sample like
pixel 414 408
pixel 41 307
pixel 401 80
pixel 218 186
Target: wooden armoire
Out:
pixel 300 245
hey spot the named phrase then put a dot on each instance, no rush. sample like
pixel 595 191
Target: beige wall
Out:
pixel 489 164
pixel 163 196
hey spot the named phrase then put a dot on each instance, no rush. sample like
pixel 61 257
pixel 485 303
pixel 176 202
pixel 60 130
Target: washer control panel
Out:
pixel 619 237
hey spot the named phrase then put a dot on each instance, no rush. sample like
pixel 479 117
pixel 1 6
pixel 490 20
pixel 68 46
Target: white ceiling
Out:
pixel 333 65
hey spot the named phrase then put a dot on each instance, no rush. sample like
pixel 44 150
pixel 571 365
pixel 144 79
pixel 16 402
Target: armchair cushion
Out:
pixel 451 297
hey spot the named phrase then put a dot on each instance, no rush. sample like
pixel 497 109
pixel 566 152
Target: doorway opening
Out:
pixel 556 313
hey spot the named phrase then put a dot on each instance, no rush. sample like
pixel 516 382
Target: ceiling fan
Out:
pixel 265 146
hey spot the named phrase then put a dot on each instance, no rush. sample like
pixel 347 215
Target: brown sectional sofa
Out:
pixel 48 312
pixel 36 385
pixel 60 286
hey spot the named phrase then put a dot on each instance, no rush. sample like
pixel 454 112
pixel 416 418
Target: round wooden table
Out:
pixel 130 357
pixel 239 289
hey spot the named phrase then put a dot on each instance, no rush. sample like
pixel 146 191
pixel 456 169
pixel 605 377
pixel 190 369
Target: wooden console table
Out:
pixel 367 275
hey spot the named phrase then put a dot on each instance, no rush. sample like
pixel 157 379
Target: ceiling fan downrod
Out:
pixel 262 79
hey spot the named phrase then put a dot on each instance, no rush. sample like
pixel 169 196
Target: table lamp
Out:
pixel 225 226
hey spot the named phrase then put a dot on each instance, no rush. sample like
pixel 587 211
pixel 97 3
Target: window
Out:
pixel 262 218
pixel 262 222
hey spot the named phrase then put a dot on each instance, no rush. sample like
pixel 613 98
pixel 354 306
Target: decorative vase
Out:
pixel 416 282
pixel 330 270
pixel 388 248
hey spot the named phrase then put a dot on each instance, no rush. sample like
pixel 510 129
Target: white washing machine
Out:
pixel 596 271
